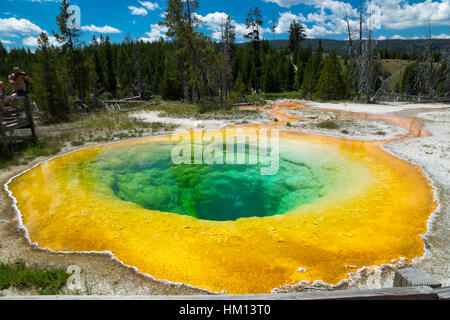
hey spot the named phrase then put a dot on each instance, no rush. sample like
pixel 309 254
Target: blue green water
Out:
pixel 144 174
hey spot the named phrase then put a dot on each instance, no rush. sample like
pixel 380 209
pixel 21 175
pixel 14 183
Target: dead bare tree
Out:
pixel 385 88
pixel 446 74
pixel 274 25
pixel 353 54
pixel 228 37
pixel 370 68
pixel 349 33
pixel 428 77
pixel 360 48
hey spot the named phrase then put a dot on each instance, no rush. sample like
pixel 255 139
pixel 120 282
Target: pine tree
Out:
pixel 296 35
pixel 271 82
pixel 51 92
pixel 97 59
pixel 76 69
pixel 330 85
pixel 225 58
pixel 111 81
pixel 312 72
pixel 253 23
pixel 68 37
pixel 408 80
pixel 182 22
pixel 170 86
pixel 3 60
pixel 290 77
pixel 125 69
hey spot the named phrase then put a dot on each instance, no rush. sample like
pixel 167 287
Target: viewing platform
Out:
pixel 15 122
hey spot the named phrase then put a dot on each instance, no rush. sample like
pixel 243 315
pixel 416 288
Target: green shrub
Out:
pixel 47 281
pixel 328 125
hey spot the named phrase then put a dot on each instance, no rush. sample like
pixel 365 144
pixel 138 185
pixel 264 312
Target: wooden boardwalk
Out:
pixel 409 293
pixel 14 121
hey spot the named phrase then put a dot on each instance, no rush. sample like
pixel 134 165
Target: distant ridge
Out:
pixel 407 46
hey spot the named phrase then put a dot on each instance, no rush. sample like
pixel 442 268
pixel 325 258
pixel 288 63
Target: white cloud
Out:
pixel 104 29
pixel 142 11
pixel 156 32
pixel 32 41
pixel 213 22
pixel 441 36
pixel 397 37
pixel 387 14
pixel 149 5
pixel 394 14
pixel 6 41
pixel 288 3
pixel 12 27
pixel 434 36
pixel 285 20
pixel 138 11
pixel 327 20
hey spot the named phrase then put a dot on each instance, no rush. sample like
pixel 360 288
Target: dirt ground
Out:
pixel 425 140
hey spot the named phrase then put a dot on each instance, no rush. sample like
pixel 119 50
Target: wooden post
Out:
pixel 3 145
pixel 27 123
pixel 29 113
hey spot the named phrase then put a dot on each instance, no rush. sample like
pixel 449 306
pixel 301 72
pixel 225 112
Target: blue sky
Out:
pixel 21 21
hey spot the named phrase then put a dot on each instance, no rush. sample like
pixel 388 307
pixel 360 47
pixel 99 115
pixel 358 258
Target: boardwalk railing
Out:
pixel 14 119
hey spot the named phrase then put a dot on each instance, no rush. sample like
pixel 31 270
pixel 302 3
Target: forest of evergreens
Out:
pixel 191 66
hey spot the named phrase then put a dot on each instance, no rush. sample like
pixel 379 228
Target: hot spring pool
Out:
pixel 144 174
pixel 332 203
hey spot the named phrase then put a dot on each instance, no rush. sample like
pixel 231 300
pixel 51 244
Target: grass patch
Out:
pixel 331 125
pixel 23 153
pixel 290 95
pixel 77 143
pixel 46 281
pixel 201 113
pixel 293 95
pixel 174 109
pixel 178 110
pixel 111 121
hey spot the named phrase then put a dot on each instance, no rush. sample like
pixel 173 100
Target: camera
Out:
pixel 21 73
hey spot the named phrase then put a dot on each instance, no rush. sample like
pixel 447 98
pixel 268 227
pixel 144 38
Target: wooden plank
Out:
pixel 415 293
pixel 10 126
pixel 13 111
pixel 18 124
pixel 414 277
pixel 9 99
pixel 443 293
